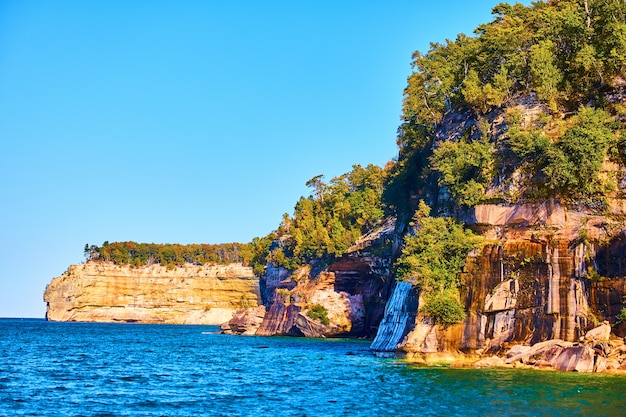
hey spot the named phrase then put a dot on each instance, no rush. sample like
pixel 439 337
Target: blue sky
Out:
pixel 189 121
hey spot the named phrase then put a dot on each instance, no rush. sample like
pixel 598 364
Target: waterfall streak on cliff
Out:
pixel 554 269
pixel 399 318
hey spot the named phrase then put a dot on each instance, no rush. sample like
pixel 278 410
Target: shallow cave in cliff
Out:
pixel 611 258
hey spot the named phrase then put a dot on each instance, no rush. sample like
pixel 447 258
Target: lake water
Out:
pixel 89 369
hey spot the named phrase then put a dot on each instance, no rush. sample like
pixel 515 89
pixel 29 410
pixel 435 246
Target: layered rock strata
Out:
pixel 546 272
pixel 191 294
pixel 597 351
pixel 353 291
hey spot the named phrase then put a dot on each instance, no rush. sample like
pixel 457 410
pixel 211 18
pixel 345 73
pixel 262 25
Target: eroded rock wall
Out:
pixel 346 311
pixel 546 272
pixel 353 290
pixel 99 292
pixel 525 291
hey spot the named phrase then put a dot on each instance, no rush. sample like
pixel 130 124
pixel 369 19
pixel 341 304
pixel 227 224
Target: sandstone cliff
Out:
pixel 546 272
pixel 189 294
pixel 353 291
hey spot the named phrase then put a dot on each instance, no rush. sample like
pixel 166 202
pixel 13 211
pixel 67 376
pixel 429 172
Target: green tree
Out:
pixel 584 146
pixel 545 75
pixel 473 92
pixel 432 259
pixel 465 169
pixel 445 307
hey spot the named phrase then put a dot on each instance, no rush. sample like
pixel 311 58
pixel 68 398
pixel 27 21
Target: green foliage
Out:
pixel 465 169
pixel 553 48
pixel 568 167
pixel 567 52
pixel 256 253
pixel 529 146
pixel 444 307
pixel 435 86
pixel 585 145
pixel 621 317
pixel 407 177
pixel 545 76
pixel 170 255
pixel 432 259
pixel 328 222
pixel 319 312
pixel 483 95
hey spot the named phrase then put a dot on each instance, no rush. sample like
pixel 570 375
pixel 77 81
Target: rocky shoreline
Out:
pixel 598 351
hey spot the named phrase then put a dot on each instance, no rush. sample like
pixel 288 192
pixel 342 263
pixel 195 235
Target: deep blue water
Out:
pixel 88 369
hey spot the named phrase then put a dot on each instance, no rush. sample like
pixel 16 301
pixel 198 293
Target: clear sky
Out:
pixel 189 121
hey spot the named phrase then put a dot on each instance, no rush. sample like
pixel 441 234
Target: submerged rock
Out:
pixel 490 362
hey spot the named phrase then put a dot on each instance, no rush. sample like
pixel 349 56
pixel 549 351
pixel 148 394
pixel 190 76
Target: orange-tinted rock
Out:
pixel 190 294
pixel 546 272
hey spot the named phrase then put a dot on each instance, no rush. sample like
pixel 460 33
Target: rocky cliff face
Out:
pixel 352 296
pixel 353 291
pixel 546 272
pixel 190 294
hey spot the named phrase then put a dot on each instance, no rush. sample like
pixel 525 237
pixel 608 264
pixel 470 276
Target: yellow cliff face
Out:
pixel 191 294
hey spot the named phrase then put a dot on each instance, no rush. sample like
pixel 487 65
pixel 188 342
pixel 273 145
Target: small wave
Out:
pixel 133 378
pixel 149 404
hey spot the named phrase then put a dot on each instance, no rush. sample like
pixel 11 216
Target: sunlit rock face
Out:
pixel 525 291
pixel 344 304
pixel 353 290
pixel 191 294
pixel 545 272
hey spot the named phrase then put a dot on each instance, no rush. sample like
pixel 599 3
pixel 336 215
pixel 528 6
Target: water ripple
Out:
pixel 69 369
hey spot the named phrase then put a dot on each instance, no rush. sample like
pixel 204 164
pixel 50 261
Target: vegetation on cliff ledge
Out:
pixel 319 312
pixel 528 109
pixel 326 223
pixel 432 257
pixel 170 255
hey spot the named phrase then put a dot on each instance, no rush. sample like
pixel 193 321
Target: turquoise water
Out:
pixel 87 369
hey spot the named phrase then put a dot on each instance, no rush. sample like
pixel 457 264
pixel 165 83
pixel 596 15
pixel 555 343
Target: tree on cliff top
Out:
pixel 332 218
pixel 171 255
pixel 568 53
